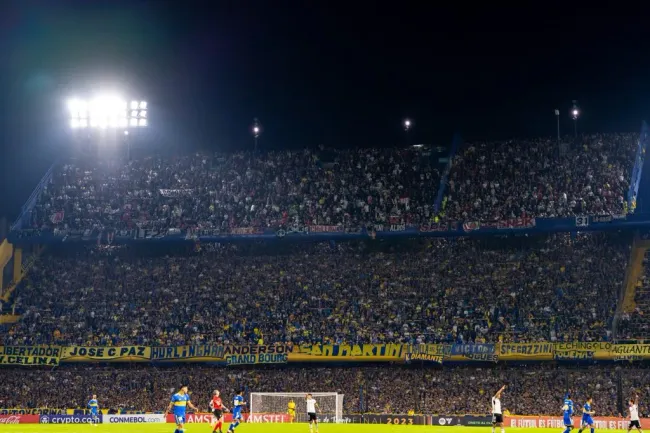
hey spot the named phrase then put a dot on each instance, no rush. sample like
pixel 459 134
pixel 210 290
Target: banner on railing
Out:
pixel 33 411
pixel 349 352
pixel 631 352
pixel 582 351
pixel 30 355
pixel 474 352
pixel 283 353
pixel 423 357
pixel 122 353
pixel 523 351
pixel 231 354
pixel 146 232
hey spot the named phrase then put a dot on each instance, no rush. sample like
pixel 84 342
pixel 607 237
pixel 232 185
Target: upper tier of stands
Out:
pixel 501 180
pixel 356 188
pixel 225 191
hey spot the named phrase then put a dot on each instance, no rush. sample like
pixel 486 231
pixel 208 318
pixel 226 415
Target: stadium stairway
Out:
pixel 633 275
pixel 21 268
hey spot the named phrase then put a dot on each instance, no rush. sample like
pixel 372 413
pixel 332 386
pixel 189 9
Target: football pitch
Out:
pixel 257 428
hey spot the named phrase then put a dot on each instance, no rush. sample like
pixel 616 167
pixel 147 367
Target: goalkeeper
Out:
pixel 291 410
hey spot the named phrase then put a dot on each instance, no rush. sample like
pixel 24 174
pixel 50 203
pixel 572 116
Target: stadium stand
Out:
pixel 500 180
pixel 547 288
pixel 353 188
pixel 367 389
pixel 488 182
pixel 533 286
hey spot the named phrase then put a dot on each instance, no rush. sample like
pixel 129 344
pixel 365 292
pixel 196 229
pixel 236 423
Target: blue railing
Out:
pixel 26 210
pixel 457 141
pixel 324 233
pixel 637 171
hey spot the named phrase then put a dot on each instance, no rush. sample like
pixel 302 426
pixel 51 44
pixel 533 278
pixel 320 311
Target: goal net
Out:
pixel 273 406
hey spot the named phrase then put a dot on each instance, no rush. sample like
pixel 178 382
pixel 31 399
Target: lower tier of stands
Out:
pixel 530 390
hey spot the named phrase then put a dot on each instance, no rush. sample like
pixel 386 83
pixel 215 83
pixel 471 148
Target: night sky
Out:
pixel 335 73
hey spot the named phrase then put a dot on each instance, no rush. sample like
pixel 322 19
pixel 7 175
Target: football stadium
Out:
pixel 246 285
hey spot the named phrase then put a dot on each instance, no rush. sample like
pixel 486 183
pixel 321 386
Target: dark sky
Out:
pixel 315 72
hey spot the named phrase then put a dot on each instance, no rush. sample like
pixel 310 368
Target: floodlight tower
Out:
pixel 257 131
pixel 575 113
pixel 107 114
pixel 407 127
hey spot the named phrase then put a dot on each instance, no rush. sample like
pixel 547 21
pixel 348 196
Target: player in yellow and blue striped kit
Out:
pixel 178 406
pixel 237 406
pixel 587 420
pixel 567 409
pixel 93 405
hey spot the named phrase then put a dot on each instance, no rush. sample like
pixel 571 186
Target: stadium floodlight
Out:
pixel 257 131
pixel 107 111
pixel 407 124
pixel 575 113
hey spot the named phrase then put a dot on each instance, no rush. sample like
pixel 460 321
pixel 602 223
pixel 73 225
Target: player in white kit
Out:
pixel 497 415
pixel 311 412
pixel 634 416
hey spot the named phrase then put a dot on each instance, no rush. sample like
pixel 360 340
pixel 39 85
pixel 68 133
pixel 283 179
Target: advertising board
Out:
pixel 134 419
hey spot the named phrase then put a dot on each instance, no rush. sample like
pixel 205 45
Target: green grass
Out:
pixel 255 428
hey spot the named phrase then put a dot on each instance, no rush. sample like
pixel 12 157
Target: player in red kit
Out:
pixel 217 409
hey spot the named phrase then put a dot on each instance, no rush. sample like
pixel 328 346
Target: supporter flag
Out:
pixel 57 217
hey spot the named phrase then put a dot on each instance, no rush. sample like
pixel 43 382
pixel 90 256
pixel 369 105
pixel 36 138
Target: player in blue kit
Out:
pixel 587 420
pixel 93 405
pixel 567 408
pixel 178 405
pixel 237 405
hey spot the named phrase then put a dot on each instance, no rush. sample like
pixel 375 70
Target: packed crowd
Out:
pixel 221 192
pixel 366 389
pixel 501 180
pixel 353 188
pixel 551 288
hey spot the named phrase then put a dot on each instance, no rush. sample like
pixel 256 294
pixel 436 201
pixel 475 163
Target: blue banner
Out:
pixel 468 349
pixel 69 419
pixel 475 352
pixel 324 232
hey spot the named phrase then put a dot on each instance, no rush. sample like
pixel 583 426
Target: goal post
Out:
pixel 273 406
